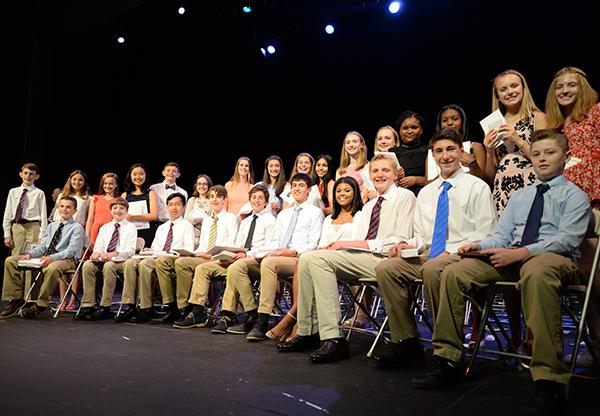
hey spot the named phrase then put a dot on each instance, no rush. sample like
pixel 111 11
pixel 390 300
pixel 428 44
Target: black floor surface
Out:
pixel 62 367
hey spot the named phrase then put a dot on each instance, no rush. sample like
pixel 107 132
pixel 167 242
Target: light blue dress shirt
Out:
pixel 70 244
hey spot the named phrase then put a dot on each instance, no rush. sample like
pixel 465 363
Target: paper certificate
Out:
pixel 139 208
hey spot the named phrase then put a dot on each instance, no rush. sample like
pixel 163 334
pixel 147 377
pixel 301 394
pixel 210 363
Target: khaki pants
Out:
pixel 540 278
pixel 394 276
pixel 239 284
pixel 182 269
pixel 22 234
pixel 318 273
pixel 109 271
pixel 201 285
pixel 146 272
pixel 13 287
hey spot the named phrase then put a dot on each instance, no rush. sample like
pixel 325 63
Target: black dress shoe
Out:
pixel 442 373
pixel 403 354
pixel 171 316
pixel 83 313
pixel 125 316
pixel 335 349
pixel 144 315
pixel 100 315
pixel 299 343
pixel 548 399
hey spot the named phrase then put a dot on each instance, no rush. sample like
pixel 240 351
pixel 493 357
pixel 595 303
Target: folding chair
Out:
pixel 578 293
pixel 73 273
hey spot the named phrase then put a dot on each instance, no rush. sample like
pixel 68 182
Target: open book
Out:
pixel 224 253
pixel 35 263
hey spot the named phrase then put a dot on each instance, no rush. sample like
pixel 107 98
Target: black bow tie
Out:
pixel 170 187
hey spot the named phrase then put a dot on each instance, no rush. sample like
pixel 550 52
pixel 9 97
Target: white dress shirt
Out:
pixel 263 231
pixel 227 227
pixel 395 219
pixel 335 232
pixel 162 193
pixel 471 214
pixel 314 196
pixel 306 232
pixel 127 238
pixel 34 209
pixel 183 235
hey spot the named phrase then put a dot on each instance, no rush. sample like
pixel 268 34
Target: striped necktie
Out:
pixel 440 228
pixel 55 239
pixel 20 206
pixel 169 240
pixel 212 235
pixel 374 222
pixel 112 245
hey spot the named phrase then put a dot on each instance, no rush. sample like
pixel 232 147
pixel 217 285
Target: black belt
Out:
pixel 24 221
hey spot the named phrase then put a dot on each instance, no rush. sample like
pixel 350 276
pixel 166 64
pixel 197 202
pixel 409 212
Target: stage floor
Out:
pixel 60 367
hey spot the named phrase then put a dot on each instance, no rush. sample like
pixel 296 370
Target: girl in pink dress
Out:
pixel 239 185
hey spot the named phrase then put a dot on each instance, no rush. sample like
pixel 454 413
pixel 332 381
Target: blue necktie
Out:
pixel 534 219
pixel 287 238
pixel 440 229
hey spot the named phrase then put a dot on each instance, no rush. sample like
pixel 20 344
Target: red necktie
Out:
pixel 374 223
pixel 112 245
pixel 169 241
pixel 20 206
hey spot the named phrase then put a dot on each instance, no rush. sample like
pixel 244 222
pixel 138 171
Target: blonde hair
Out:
pixel 586 98
pixel 527 104
pixel 345 157
pixel 312 174
pixel 236 175
pixel 68 188
pixel 394 134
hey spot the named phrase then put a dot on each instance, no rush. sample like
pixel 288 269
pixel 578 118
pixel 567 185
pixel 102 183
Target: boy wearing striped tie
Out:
pixel 452 210
pixel 116 240
pixel 219 229
pixel 383 222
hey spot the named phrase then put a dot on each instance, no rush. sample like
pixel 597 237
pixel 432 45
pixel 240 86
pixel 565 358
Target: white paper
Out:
pixel 390 154
pixel 139 208
pixel 493 121
pixel 218 249
pixel 409 252
pixel 30 263
pixel 572 162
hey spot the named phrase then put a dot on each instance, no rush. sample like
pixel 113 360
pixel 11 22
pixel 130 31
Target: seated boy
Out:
pixel 116 238
pixel 535 243
pixel 60 250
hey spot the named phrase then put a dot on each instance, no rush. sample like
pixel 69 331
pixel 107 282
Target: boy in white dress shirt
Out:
pixel 176 233
pixel 256 230
pixel 222 226
pixel 115 243
pixel 297 229
pixel 25 216
pixel 468 215
pixel 167 187
pixel 383 222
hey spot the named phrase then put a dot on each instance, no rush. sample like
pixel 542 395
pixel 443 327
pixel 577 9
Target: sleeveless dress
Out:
pixel 148 233
pixel 584 142
pixel 514 170
pixel 412 158
pixel 101 215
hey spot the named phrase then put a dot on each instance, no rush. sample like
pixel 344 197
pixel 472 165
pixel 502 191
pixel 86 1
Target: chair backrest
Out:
pixel 140 243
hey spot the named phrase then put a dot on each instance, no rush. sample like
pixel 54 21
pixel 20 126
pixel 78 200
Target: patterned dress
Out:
pixel 584 142
pixel 514 170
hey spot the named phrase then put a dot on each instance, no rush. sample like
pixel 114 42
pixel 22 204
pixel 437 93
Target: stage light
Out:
pixel 263 51
pixel 329 29
pixel 121 39
pixel 271 49
pixel 247 9
pixel 394 7
pixel 181 10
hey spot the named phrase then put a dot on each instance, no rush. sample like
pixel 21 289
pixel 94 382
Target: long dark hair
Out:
pixel 357 203
pixel 128 185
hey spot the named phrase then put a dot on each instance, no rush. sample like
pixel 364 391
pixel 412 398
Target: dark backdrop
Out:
pixel 72 98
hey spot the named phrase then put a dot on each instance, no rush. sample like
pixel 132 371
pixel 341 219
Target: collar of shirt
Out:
pixel 453 180
pixel 559 180
pixel 388 192
pixel 29 188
